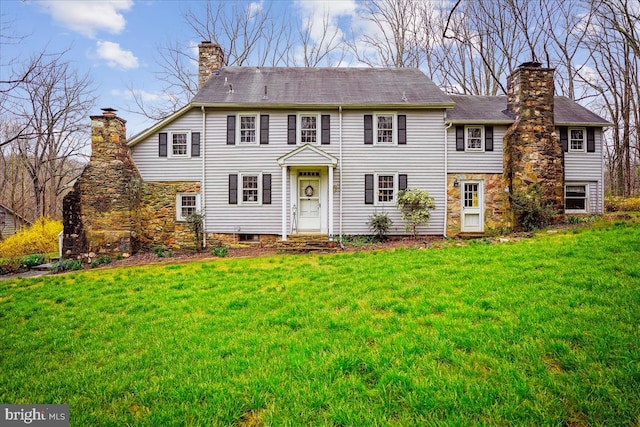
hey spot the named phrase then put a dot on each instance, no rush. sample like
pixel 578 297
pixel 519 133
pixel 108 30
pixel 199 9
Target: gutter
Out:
pixel 446 172
pixel 340 180
pixel 203 193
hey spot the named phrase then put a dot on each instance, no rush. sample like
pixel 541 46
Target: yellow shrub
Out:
pixel 40 238
pixel 621 204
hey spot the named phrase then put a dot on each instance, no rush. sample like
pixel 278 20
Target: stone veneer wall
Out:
pixel 158 215
pixel 210 59
pixel 532 150
pixel 496 202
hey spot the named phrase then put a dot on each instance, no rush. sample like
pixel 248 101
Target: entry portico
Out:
pixel 309 172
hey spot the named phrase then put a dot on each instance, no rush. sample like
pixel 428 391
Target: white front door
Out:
pixel 472 216
pixel 309 201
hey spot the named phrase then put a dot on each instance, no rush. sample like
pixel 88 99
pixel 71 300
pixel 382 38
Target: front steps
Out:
pixel 304 243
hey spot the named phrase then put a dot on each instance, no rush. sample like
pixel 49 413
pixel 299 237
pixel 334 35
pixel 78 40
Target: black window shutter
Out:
pixel 591 140
pixel 488 138
pixel 231 130
pixel 564 138
pixel 195 144
pixel 402 129
pixel 264 129
pixel 326 129
pixel 459 138
pixel 368 189
pixel 402 182
pixel 162 144
pixel 291 129
pixel 233 189
pixel 266 188
pixel 368 130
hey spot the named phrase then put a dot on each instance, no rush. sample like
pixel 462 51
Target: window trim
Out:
pixel 318 128
pixel 586 197
pixel 466 138
pixel 239 128
pixel 258 176
pixel 179 205
pixel 584 140
pixel 394 128
pixel 376 189
pixel 170 135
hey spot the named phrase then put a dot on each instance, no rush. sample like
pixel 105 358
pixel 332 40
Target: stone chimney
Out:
pixel 532 150
pixel 100 215
pixel 210 59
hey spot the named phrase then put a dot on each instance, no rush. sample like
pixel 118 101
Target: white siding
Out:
pixel 476 161
pixel 587 168
pixel 155 168
pixel 422 159
pixel 11 224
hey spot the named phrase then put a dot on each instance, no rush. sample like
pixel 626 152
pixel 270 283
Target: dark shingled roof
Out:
pixel 493 109
pixel 322 87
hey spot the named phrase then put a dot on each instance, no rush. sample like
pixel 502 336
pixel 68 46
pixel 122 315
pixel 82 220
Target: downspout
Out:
pixel 446 172
pixel 203 153
pixel 340 170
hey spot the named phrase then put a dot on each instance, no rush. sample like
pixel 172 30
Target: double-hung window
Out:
pixel 248 129
pixel 186 204
pixel 384 126
pixel 577 138
pixel 179 144
pixel 386 188
pixel 308 129
pixel 474 137
pixel 250 187
pixel 576 198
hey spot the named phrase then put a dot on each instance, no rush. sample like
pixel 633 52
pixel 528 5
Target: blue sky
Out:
pixel 116 41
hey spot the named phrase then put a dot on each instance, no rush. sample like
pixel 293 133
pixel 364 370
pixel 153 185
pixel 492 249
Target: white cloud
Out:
pixel 115 56
pixel 322 17
pixel 255 7
pixel 88 17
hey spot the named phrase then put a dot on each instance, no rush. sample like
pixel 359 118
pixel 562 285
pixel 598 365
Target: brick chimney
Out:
pixel 210 59
pixel 532 150
pixel 100 215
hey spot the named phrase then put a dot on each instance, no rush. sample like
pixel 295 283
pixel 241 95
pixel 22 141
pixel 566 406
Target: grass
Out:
pixel 540 332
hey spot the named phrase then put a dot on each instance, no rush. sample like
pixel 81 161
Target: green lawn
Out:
pixel 543 332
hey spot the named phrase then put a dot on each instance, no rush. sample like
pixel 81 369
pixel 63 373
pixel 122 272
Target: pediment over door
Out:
pixel 308 155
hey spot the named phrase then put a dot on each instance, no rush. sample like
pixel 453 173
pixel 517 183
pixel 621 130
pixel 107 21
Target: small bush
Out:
pixel 357 241
pixel 40 238
pixel 163 252
pixel 220 251
pixel 65 265
pixel 100 261
pixel 531 212
pixel 380 225
pixel 32 260
pixel 415 206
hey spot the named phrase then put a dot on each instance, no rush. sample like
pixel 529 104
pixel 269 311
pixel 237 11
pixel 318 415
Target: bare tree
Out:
pixel 390 35
pixel 321 43
pixel 49 115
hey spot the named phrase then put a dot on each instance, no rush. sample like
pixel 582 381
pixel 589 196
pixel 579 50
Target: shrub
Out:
pixel 415 206
pixel 530 210
pixel 40 238
pixel 220 251
pixel 617 204
pixel 380 225
pixel 163 252
pixel 32 260
pixel 65 265
pixel 195 221
pixel 100 261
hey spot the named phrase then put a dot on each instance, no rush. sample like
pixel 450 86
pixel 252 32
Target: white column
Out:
pixel 284 203
pixel 330 201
